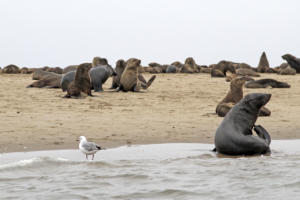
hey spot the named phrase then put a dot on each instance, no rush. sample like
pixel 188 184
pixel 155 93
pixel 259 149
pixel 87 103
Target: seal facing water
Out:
pixel 234 135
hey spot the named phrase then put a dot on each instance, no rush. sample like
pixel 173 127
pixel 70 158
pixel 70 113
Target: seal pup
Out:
pixel 234 135
pixel 130 80
pixel 88 148
pixel 81 83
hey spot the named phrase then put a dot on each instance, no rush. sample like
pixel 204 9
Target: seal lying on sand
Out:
pixel 48 81
pixel 267 82
pixel 234 95
pixel 130 80
pixel 82 82
pixel 234 136
pixel 40 74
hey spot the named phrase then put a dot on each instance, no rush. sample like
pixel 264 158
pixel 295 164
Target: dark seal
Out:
pixel 234 136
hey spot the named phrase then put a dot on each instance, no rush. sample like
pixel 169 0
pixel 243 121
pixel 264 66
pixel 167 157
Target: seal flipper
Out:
pixel 262 133
pixel 145 86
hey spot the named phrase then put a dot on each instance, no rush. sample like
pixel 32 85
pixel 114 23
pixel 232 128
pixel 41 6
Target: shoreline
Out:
pixel 177 108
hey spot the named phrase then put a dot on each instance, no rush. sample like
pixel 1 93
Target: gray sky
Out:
pixel 37 33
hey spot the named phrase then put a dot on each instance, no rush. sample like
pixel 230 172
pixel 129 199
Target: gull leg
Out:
pixel 86 156
pixel 93 156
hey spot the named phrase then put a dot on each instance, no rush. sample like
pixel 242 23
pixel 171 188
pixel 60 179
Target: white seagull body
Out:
pixel 88 148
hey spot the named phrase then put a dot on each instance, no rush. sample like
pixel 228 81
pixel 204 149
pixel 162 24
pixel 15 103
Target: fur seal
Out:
pixel 130 80
pixel 234 95
pixel 48 81
pixel 292 61
pixel 66 80
pixel 120 66
pixel 40 74
pixel 263 65
pixel 11 69
pixel 287 71
pixel 99 75
pixel 172 69
pixel 246 72
pixel 70 68
pixel 220 69
pixel 99 61
pixel 81 83
pixel 234 135
pixel 267 82
pixel 25 70
pixel 56 70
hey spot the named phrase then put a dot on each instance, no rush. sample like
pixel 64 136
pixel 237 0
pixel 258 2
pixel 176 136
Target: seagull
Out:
pixel 88 148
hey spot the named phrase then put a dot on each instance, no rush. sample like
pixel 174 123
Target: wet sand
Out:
pixel 177 108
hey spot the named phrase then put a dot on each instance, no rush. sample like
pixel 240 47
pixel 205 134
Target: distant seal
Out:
pixel 11 69
pixel 40 74
pixel 267 82
pixel 25 70
pixel 99 61
pixel 263 65
pixel 293 61
pixel 130 80
pixel 70 68
pixel 120 66
pixel 220 69
pixel 172 69
pixel 48 82
pixel 287 71
pixel 81 83
pixel 57 70
pixel 246 72
pixel 234 135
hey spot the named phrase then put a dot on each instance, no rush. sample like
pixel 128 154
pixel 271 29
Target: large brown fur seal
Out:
pixel 234 135
pixel 220 69
pixel 11 69
pixel 234 95
pixel 82 82
pixel 130 77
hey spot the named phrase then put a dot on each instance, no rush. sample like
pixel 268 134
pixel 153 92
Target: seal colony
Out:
pixel 128 76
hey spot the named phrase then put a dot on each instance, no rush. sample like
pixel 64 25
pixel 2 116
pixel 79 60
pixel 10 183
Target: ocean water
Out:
pixel 160 171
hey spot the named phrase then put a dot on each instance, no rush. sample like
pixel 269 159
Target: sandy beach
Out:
pixel 176 108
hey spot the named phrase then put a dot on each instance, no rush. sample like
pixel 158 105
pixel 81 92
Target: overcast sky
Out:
pixel 37 33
